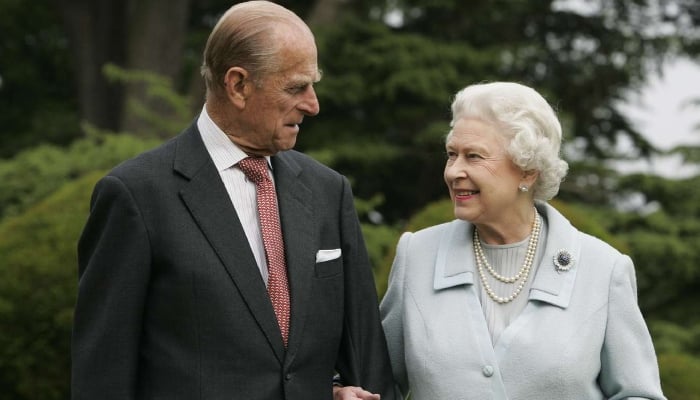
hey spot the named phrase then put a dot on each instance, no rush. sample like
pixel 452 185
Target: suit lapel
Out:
pixel 300 243
pixel 209 204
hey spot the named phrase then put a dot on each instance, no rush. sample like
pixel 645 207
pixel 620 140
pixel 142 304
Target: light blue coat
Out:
pixel 581 335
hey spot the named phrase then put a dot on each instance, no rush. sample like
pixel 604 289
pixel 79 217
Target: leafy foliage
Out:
pixel 38 277
pixel 387 87
pixel 173 109
pixel 389 112
pixel 662 233
pixel 679 374
pixel 37 172
pixel 674 339
pixel 37 100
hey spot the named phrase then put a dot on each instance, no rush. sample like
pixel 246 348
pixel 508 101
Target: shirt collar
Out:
pixel 223 152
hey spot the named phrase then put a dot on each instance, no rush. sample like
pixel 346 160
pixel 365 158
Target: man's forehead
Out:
pixel 311 75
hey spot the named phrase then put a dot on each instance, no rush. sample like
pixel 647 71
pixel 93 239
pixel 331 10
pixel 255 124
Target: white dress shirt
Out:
pixel 226 156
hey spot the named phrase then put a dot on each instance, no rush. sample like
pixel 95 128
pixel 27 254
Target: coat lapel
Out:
pixel 207 200
pixel 453 264
pixel 552 286
pixel 300 243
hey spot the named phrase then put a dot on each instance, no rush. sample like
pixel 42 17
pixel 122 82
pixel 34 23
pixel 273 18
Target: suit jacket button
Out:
pixel 288 377
pixel 487 371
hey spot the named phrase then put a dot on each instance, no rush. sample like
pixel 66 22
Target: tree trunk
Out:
pixel 96 32
pixel 134 34
pixel 156 36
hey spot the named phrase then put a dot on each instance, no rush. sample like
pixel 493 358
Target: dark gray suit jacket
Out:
pixel 171 304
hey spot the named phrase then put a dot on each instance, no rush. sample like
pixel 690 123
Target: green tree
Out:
pixel 37 103
pixel 387 86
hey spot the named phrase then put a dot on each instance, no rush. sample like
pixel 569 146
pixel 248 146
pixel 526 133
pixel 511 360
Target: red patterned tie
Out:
pixel 255 168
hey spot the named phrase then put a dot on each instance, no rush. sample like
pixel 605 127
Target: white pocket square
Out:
pixel 327 255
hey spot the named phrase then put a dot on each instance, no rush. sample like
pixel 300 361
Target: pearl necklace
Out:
pixel 522 275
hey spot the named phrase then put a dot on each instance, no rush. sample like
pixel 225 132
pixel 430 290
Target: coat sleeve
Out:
pixel 363 359
pixel 114 264
pixel 391 312
pixel 629 368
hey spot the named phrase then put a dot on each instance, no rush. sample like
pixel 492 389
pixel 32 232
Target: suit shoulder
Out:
pixel 308 163
pixel 147 162
pixel 602 260
pixel 598 246
pixel 187 144
pixel 310 170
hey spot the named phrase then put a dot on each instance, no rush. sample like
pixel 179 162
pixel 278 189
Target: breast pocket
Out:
pixel 328 269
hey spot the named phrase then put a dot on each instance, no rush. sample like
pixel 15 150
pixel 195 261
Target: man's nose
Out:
pixel 310 106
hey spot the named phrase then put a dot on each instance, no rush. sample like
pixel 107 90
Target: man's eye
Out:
pixel 297 89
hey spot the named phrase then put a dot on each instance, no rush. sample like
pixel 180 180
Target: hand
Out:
pixel 353 393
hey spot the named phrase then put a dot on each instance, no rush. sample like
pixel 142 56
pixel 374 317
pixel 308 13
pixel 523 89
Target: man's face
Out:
pixel 273 112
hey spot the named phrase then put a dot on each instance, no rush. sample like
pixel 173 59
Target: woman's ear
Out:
pixel 237 85
pixel 529 177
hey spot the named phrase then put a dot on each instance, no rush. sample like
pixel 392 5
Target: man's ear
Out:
pixel 237 85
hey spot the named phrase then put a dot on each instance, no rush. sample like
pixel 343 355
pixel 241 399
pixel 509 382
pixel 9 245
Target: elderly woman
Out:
pixel 509 300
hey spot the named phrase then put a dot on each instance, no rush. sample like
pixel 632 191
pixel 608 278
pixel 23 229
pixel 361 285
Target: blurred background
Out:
pixel 86 84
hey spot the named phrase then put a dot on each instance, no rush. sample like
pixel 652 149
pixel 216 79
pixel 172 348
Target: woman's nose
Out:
pixel 455 169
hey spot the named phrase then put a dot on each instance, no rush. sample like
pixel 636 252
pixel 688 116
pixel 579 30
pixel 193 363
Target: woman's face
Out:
pixel 482 180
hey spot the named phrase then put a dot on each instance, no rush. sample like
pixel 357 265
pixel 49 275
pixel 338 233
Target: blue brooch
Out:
pixel 563 261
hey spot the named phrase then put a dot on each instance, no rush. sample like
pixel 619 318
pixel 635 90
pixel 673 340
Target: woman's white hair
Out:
pixel 527 122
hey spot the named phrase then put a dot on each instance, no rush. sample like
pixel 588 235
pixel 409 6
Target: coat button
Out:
pixel 487 371
pixel 288 377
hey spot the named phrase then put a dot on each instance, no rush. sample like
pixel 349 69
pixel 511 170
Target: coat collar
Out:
pixel 550 285
pixel 455 265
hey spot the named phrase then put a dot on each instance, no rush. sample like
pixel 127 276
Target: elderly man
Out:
pixel 223 264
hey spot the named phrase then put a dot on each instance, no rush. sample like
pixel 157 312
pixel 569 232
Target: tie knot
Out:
pixel 254 168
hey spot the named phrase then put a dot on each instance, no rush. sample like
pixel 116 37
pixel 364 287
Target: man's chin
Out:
pixel 285 145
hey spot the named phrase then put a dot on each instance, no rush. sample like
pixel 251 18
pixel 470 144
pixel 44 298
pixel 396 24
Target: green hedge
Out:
pixel 37 172
pixel 38 278
pixel 679 376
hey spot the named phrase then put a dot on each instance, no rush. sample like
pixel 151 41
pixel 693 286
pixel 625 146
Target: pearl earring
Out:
pixel 523 188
